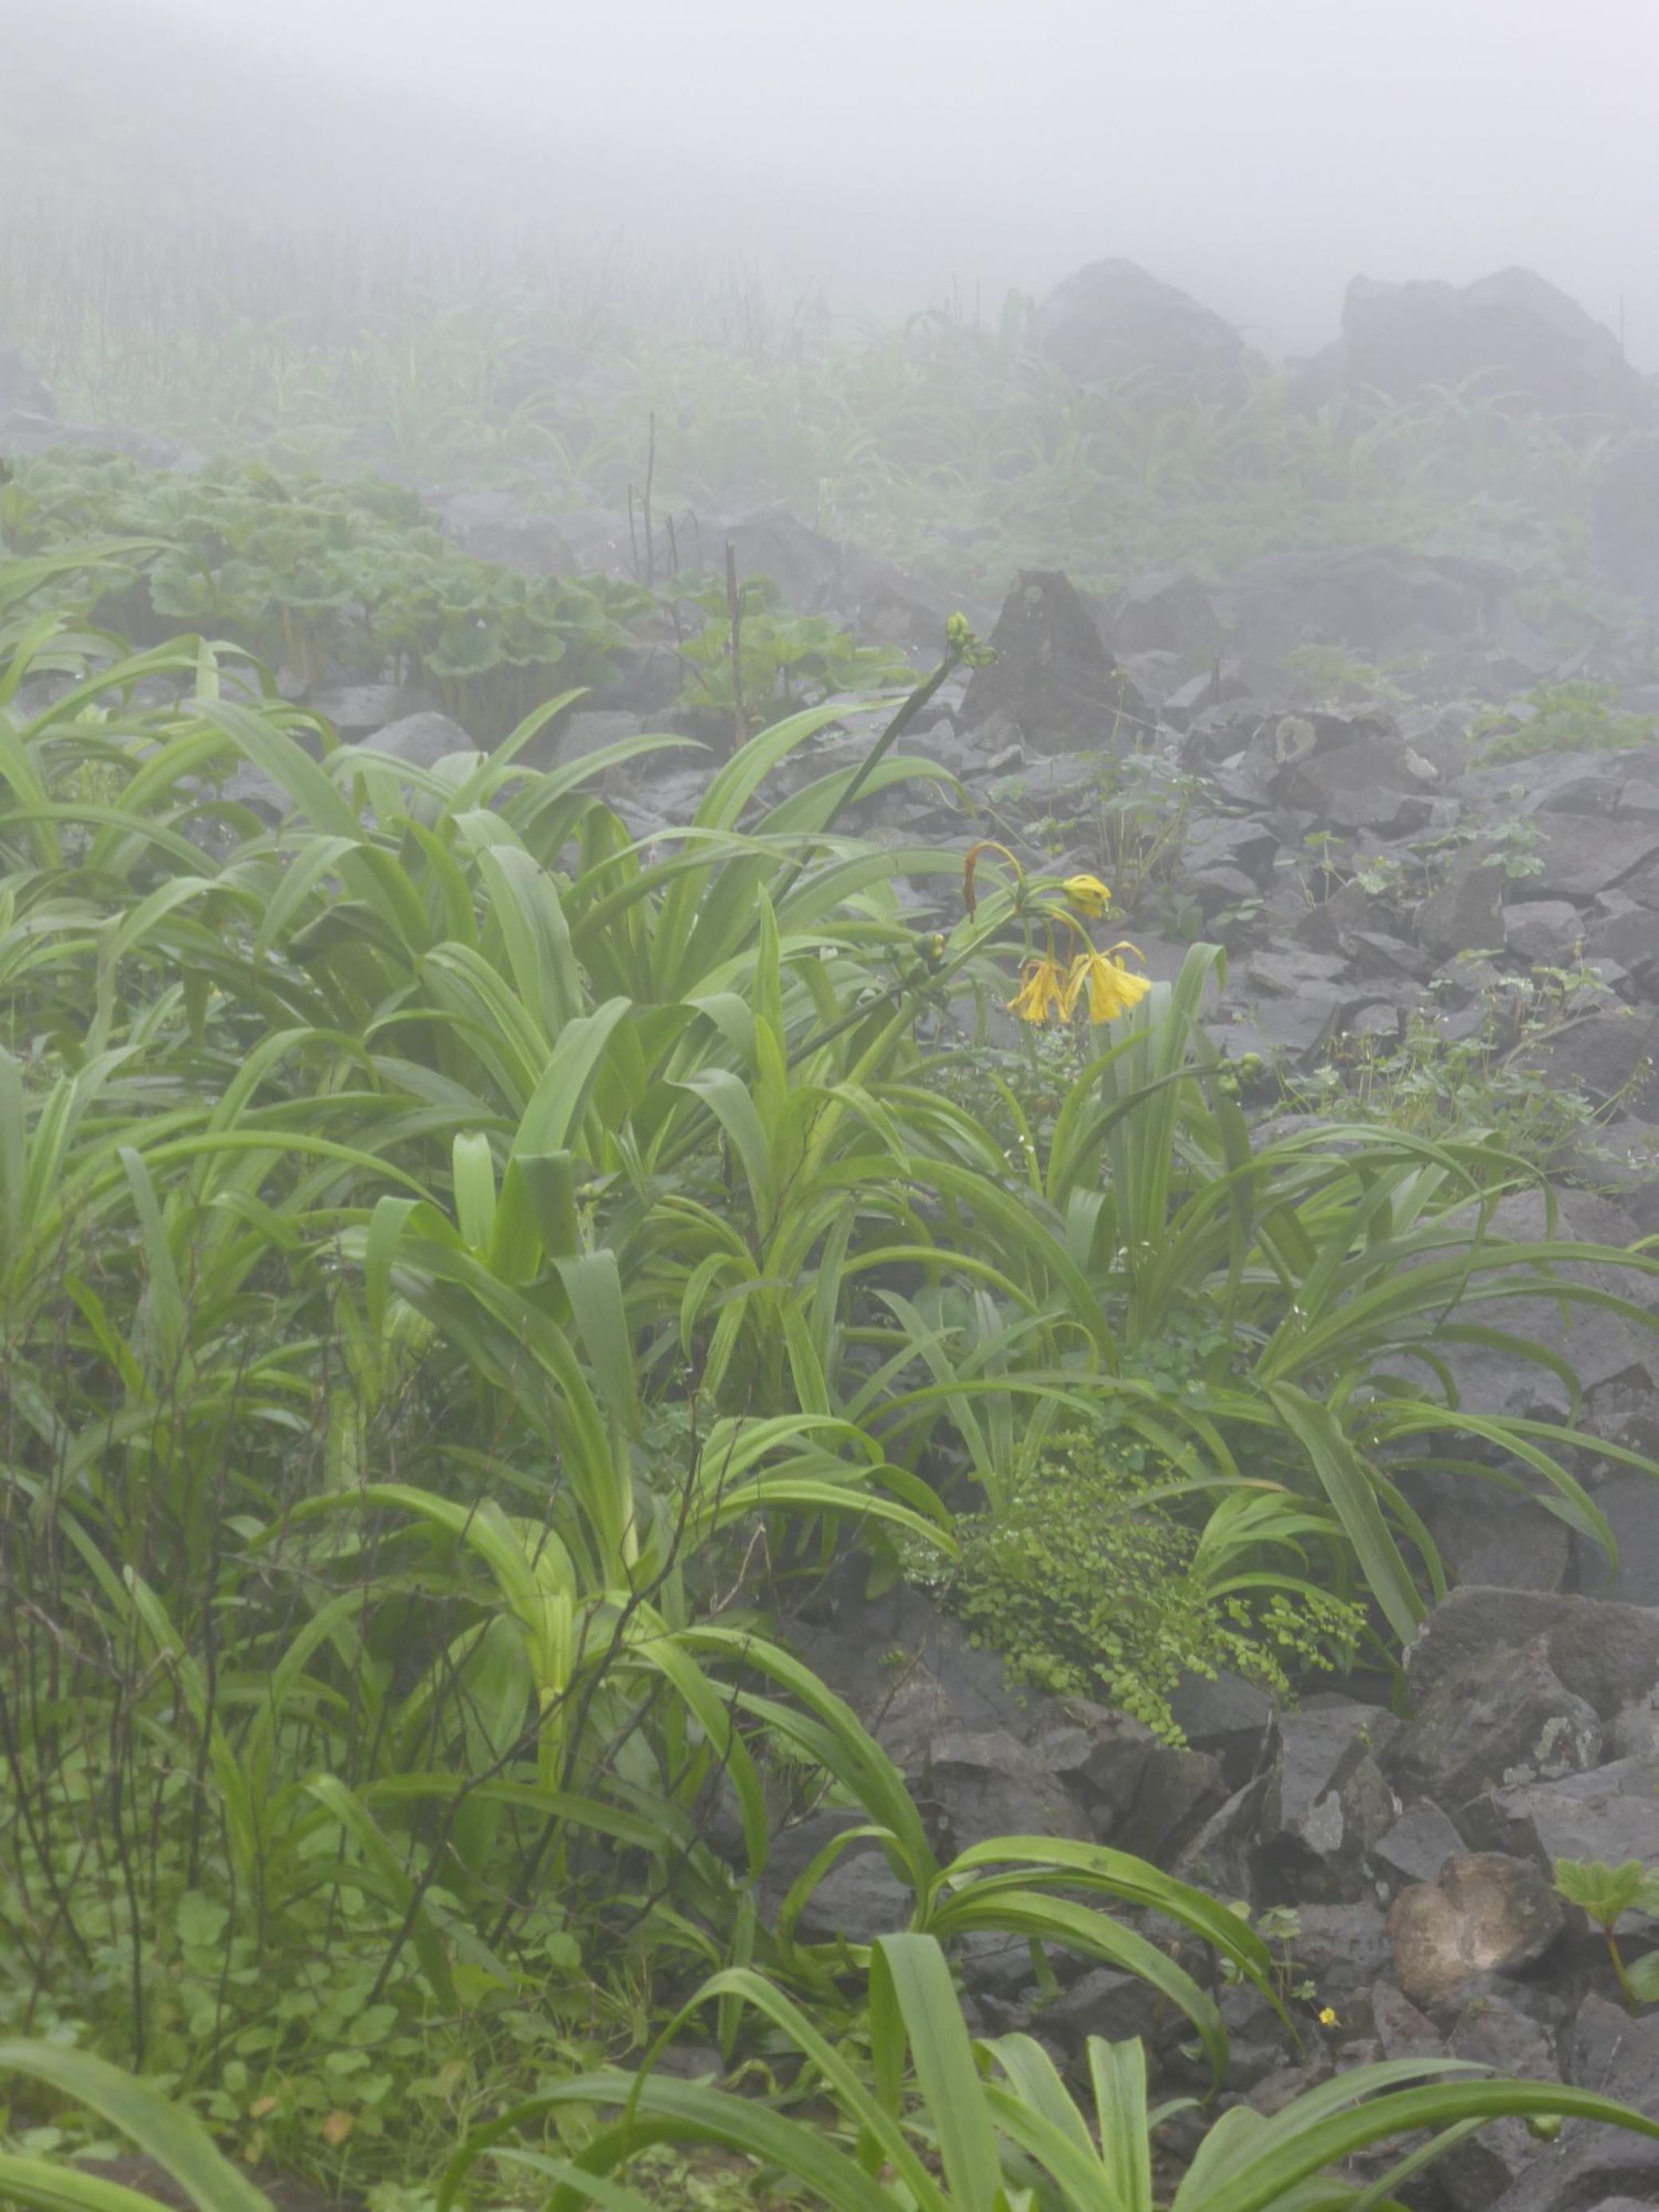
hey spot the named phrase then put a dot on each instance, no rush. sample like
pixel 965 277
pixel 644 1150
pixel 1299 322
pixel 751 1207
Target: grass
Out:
pixel 945 444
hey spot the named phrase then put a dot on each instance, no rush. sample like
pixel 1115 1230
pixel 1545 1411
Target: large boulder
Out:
pixel 1485 1913
pixel 1112 319
pixel 1326 1801
pixel 422 740
pixel 1604 1652
pixel 1502 1716
pixel 1591 2168
pixel 1169 611
pixel 1053 683
pixel 1536 346
pixel 1376 601
pixel 1609 1813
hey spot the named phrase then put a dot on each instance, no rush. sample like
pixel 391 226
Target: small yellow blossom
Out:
pixel 1112 988
pixel 1087 894
pixel 1043 990
pixel 1328 2017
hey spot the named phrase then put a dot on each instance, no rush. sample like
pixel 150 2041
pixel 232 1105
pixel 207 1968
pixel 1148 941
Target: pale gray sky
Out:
pixel 1259 151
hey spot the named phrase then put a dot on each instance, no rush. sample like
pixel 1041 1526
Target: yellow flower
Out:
pixel 1087 894
pixel 1042 989
pixel 1112 988
pixel 1328 2018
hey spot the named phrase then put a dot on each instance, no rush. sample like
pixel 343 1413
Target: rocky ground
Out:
pixel 1404 1862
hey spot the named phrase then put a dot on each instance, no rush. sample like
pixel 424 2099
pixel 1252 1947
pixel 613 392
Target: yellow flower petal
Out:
pixel 1087 894
pixel 1043 990
pixel 1112 989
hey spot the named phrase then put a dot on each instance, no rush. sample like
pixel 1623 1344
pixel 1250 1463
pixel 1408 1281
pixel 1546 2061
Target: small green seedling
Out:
pixel 1605 1894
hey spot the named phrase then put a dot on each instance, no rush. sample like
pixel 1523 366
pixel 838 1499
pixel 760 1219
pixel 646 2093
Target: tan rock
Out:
pixel 1485 1913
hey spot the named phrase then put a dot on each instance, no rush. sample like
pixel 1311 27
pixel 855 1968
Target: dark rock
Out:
pixel 574 736
pixel 1251 846
pixel 1464 914
pixel 1344 1949
pixel 1605 1653
pixel 496 526
pixel 1623 930
pixel 1102 2002
pixel 989 1784
pixel 1401 2029
pixel 1608 1056
pixel 1179 1791
pixel 1290 1029
pixel 422 740
pixel 1199 693
pixel 1548 931
pixel 1230 727
pixel 1280 2088
pixel 1120 1751
pixel 1418 1845
pixel 1631 1502
pixel 1293 971
pixel 1225 1716
pixel 1485 1913
pixel 1327 1801
pixel 815 574
pixel 1217 888
pixel 912 1675
pixel 1112 319
pixel 995 1965
pixel 1492 2032
pixel 356 709
pixel 1224 1857
pixel 1377 955
pixel 1543 350
pixel 858 1899
pixel 1053 682
pixel 1169 613
pixel 1581 855
pixel 1477 2173
pixel 1609 1812
pixel 1499 1718
pixel 1522 1547
pixel 1589 2165
pixel 1377 601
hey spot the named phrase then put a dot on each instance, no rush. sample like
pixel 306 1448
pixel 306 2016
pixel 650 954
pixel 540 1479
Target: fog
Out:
pixel 1258 154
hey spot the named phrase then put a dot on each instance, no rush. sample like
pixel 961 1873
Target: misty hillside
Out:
pixel 828 1108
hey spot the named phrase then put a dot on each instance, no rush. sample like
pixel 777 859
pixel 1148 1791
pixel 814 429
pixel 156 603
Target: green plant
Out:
pixel 943 2123
pixel 1578 717
pixel 784 660
pixel 1092 1584
pixel 1329 675
pixel 939 2121
pixel 1605 1893
pixel 328 578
